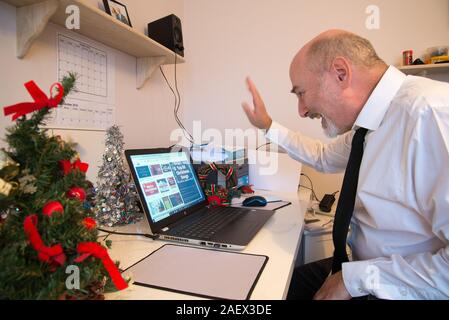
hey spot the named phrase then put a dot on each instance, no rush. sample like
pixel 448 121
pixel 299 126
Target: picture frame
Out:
pixel 117 10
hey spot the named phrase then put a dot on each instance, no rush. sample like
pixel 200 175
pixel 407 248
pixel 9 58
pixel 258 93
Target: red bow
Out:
pixel 40 100
pixel 86 249
pixel 53 255
pixel 67 166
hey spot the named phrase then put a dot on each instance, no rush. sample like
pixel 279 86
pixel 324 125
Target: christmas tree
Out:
pixel 45 227
pixel 117 202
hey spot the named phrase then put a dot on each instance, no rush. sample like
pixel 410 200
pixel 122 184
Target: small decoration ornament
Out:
pixel 5 160
pixel 52 207
pixel 27 182
pixel 5 187
pixel 77 193
pixel 89 223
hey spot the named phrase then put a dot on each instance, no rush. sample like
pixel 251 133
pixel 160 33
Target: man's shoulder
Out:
pixel 419 95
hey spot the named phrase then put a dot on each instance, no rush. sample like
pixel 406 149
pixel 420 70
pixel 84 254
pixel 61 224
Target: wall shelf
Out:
pixel 33 16
pixel 425 69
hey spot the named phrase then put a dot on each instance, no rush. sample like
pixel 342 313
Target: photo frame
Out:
pixel 117 10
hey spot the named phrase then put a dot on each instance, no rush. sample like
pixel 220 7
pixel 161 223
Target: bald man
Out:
pixel 400 220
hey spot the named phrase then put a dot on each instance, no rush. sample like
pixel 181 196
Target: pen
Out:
pixel 267 202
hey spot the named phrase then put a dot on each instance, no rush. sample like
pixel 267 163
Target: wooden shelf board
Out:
pixel 21 3
pixel 101 27
pixel 426 68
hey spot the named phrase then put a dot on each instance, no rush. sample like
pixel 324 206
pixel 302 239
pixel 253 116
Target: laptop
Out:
pixel 176 207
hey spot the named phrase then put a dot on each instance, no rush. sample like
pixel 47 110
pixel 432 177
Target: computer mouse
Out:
pixel 255 201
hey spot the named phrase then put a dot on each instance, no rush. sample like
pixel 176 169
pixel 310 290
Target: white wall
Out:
pixel 145 115
pixel 228 40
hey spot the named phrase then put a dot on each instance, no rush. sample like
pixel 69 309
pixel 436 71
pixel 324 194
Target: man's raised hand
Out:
pixel 257 115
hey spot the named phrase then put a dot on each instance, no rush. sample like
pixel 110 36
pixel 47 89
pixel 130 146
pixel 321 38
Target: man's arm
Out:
pixel 324 157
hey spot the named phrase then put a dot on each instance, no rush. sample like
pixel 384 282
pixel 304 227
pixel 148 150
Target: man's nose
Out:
pixel 302 110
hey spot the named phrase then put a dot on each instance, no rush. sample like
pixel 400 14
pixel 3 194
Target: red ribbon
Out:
pixel 40 100
pixel 230 172
pixel 246 189
pixel 53 255
pixel 213 166
pixel 86 249
pixel 67 166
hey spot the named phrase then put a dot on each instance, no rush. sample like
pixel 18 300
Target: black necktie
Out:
pixel 346 202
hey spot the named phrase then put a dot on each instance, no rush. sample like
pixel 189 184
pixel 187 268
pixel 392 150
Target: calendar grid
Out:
pixel 89 63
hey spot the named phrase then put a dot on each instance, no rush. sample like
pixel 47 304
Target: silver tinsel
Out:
pixel 116 198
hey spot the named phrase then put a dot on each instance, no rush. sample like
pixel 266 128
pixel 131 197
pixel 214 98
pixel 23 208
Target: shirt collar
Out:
pixel 374 110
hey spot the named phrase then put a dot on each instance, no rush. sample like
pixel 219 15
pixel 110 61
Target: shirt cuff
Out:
pixel 356 276
pixel 277 133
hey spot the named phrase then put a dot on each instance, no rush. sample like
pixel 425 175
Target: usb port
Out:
pixel 224 245
pixel 216 245
pixel 202 243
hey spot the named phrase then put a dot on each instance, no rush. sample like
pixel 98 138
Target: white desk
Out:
pixel 279 239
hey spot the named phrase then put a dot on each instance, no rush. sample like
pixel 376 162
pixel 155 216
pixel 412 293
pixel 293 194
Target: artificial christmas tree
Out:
pixel 45 226
pixel 116 202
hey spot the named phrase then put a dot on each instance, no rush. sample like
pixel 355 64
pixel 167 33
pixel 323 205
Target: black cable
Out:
pixel 311 184
pixel 147 235
pixel 305 187
pixel 177 96
pixel 190 138
pixel 266 144
pixel 175 110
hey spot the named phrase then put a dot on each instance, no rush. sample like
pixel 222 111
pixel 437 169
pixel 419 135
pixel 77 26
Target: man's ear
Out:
pixel 341 71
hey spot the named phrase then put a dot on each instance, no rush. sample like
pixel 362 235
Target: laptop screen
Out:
pixel 168 183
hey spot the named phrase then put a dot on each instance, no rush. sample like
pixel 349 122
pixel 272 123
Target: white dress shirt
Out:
pixel 400 226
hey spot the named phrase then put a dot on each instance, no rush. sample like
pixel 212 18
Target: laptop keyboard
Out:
pixel 208 224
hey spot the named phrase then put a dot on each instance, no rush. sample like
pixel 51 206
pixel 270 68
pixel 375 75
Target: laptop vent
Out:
pixel 175 239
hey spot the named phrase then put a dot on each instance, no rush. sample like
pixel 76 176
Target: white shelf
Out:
pixel 425 69
pixel 33 16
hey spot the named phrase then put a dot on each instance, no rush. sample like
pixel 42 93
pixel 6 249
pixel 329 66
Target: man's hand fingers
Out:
pixel 248 110
pixel 257 100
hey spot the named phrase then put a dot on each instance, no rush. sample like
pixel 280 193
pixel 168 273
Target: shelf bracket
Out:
pixel 145 68
pixel 31 21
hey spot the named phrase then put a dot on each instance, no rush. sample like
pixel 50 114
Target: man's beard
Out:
pixel 330 129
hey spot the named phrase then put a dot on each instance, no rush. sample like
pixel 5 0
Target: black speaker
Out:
pixel 168 32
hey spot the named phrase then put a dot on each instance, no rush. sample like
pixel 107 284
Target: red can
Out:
pixel 407 57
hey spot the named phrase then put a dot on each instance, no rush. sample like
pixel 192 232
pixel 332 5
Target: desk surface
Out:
pixel 279 239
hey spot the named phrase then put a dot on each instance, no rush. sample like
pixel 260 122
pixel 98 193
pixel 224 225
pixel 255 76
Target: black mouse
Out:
pixel 255 201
